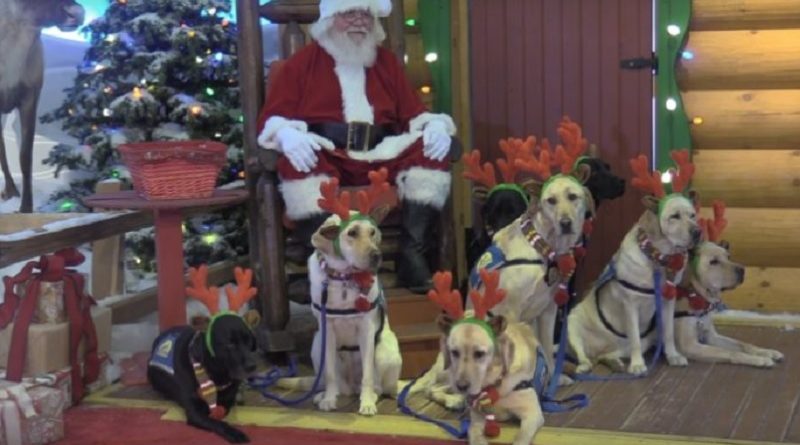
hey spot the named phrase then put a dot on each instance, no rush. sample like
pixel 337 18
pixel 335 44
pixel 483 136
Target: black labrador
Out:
pixel 227 357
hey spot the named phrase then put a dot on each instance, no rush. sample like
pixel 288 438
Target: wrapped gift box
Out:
pixel 48 343
pixel 50 305
pixel 30 414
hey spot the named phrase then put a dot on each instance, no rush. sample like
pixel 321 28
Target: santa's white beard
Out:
pixel 347 51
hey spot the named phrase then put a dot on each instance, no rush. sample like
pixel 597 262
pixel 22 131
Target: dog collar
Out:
pixel 343 225
pixel 214 318
pixel 509 186
pixel 482 324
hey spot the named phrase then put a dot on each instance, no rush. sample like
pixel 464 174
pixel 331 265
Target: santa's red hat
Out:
pixel 381 8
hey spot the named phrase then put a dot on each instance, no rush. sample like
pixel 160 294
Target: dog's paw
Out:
pixel 233 435
pixel 761 362
pixel 637 367
pixel 453 402
pixel 776 356
pixel 583 368
pixel 565 380
pixel 325 402
pixel 677 360
pixel 368 405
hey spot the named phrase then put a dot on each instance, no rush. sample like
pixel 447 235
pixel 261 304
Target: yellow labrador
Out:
pixel 712 272
pixel 362 354
pixel 617 315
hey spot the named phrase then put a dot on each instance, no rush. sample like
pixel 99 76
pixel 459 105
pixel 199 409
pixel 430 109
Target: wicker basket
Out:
pixel 174 169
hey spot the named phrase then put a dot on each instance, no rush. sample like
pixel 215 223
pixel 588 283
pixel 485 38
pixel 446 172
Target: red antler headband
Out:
pixel 450 300
pixel 485 174
pixel 714 228
pixel 565 157
pixel 651 182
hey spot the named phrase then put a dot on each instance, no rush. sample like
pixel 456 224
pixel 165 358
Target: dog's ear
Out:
pixel 583 172
pixel 724 244
pixel 444 322
pixel 322 239
pixel 534 190
pixel 252 318
pixel 650 203
pixel 591 207
pixel 506 350
pixel 498 324
pixel 200 323
pixel 443 350
pixel 650 224
pixel 379 213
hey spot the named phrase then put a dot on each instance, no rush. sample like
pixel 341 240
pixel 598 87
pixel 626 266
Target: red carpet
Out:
pixel 88 425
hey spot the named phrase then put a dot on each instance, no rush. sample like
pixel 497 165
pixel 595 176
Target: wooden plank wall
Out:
pixel 533 61
pixel 743 81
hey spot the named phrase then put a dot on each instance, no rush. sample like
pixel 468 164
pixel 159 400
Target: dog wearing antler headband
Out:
pixel 362 354
pixel 617 316
pixel 200 367
pixel 710 273
pixel 491 362
pixel 504 199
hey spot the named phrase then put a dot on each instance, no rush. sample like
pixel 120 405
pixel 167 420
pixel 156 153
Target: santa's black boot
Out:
pixel 413 271
pixel 301 234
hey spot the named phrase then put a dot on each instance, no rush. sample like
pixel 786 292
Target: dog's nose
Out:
pixel 462 387
pixel 696 235
pixel 566 225
pixel 375 259
pixel 740 274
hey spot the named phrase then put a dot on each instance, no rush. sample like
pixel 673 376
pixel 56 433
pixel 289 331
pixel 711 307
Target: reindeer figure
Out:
pixel 22 74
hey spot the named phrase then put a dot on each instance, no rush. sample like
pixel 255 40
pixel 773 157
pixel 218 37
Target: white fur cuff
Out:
pixel 266 138
pixel 419 122
pixel 424 186
pixel 300 196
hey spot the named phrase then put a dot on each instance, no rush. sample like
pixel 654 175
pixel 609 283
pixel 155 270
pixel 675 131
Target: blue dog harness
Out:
pixel 163 356
pixel 494 259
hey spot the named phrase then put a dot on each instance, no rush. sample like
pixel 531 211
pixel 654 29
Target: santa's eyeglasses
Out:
pixel 354 15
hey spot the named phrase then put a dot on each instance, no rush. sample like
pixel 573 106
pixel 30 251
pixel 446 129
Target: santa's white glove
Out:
pixel 436 139
pixel 299 147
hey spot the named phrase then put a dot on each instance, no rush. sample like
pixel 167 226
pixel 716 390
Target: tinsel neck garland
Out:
pixel 672 263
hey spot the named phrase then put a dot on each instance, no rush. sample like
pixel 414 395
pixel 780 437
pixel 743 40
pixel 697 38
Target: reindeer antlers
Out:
pixel 379 185
pixel 715 228
pixel 482 175
pixel 514 149
pixel 574 146
pixel 491 294
pixel 645 180
pixel 199 290
pixel 244 291
pixel 685 170
pixel 446 298
pixel 539 166
pixel 339 205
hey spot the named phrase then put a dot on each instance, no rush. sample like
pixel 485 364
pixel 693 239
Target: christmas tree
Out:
pixel 155 70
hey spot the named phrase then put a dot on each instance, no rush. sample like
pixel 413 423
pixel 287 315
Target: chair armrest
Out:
pixel 264 161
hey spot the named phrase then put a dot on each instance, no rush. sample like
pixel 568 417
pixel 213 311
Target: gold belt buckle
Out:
pixel 352 127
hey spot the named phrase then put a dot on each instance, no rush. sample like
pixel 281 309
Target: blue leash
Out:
pixel 402 404
pixel 261 384
pixel 547 397
pixel 588 377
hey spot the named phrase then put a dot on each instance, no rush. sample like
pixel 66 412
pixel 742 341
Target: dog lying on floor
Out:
pixel 617 315
pixel 200 367
pixel 492 363
pixel 362 354
pixel 712 272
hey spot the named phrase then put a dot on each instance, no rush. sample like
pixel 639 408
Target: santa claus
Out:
pixel 342 106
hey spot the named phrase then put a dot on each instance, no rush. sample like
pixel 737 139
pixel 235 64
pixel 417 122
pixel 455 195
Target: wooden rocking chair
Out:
pixel 268 240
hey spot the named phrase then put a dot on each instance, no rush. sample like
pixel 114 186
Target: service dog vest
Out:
pixel 493 259
pixel 163 356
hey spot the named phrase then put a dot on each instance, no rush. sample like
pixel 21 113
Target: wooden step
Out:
pixel 766 289
pixel 406 308
pixel 762 119
pixel 763 237
pixel 748 178
pixel 419 345
pixel 744 14
pixel 726 60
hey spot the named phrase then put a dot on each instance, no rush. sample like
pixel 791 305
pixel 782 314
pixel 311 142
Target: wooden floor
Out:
pixel 719 401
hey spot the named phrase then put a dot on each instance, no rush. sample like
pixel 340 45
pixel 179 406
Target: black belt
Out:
pixel 355 136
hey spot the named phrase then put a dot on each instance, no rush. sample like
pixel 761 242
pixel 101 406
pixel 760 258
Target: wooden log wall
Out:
pixel 741 79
